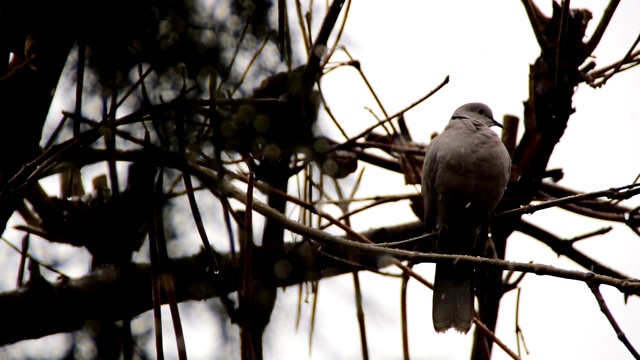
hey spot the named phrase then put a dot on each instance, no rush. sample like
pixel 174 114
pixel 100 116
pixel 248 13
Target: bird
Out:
pixel 465 173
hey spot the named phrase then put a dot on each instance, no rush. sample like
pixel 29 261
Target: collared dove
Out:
pixel 465 173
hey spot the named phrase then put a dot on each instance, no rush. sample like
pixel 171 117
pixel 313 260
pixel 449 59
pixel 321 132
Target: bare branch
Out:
pixel 597 208
pixel 31 258
pixel 595 289
pixel 562 38
pixel 495 339
pixel 590 234
pixel 625 285
pixel 623 192
pixel 625 60
pixel 312 69
pixel 632 61
pixel 210 180
pixel 414 240
pixel 368 130
pixel 383 200
pixel 602 26
pixel 519 333
pixel 535 18
pixel 565 248
pixel 338 36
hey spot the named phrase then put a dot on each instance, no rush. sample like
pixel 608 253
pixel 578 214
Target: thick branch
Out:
pixel 107 294
pixel 110 294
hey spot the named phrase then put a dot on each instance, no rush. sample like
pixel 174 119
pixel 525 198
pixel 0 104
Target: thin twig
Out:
pixel 303 29
pixel 24 255
pixel 360 314
pixel 615 202
pixel 562 247
pixel 562 38
pixel 110 142
pixel 488 333
pixel 282 27
pixel 156 286
pixel 519 332
pixel 330 113
pixel 354 271
pixel 602 231
pixel 312 69
pixel 535 18
pixel 166 277
pixel 253 59
pixel 199 224
pixel 39 262
pixel 323 63
pixel 622 61
pixel 79 83
pixel 247 299
pixel 593 42
pixel 373 204
pixel 623 192
pixel 599 209
pixel 233 57
pixel 404 317
pixel 595 289
pixel 175 316
pixel 368 130
pixel 313 314
pixel 188 184
pixel 356 64
pixel 389 133
pixel 632 61
pixel 418 239
pixel 56 132
pixel 133 87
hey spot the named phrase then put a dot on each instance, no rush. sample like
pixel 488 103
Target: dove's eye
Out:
pixel 480 111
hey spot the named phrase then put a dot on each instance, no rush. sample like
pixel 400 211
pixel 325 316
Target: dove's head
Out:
pixel 477 111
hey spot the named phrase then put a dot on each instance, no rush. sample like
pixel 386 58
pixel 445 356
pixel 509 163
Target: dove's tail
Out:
pixel 454 285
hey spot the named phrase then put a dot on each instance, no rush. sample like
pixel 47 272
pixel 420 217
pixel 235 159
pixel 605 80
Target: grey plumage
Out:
pixel 465 173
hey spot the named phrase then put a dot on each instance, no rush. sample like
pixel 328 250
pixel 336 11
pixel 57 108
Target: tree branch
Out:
pixel 623 192
pixel 565 247
pixel 595 289
pixel 495 339
pixel 109 294
pixel 535 18
pixel 627 57
pixel 602 26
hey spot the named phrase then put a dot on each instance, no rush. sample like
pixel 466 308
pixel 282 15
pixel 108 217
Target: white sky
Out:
pixel 406 48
